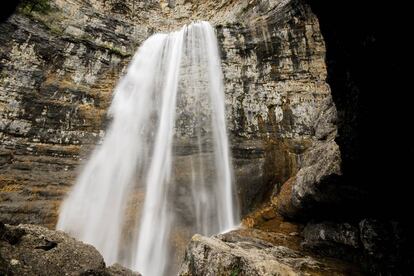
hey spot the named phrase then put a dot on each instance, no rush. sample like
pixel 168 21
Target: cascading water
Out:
pixel 167 140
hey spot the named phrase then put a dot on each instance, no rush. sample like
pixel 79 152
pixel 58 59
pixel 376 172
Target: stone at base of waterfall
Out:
pixel 36 250
pixel 236 253
pixel 117 269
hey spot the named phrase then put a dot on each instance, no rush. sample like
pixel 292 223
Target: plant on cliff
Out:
pixel 29 6
pixel 235 271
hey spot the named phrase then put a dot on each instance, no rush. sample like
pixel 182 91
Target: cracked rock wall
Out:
pixel 58 69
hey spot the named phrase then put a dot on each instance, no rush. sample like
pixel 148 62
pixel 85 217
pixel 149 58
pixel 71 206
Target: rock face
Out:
pixel 281 114
pixel 379 246
pixel 30 249
pixel 253 252
pixel 55 86
pixel 60 65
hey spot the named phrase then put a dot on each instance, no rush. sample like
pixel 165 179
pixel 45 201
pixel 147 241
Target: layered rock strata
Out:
pixel 59 67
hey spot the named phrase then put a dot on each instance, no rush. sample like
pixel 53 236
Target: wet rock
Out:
pixel 35 250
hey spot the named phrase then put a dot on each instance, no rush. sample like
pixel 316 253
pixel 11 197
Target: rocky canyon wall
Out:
pixel 59 66
pixel 309 92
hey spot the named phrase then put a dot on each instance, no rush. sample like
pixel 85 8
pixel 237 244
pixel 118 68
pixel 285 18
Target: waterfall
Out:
pixel 163 171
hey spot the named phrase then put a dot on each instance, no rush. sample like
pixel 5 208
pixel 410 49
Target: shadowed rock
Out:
pixel 35 250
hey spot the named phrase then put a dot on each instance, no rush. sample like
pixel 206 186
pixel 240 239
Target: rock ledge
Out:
pixel 254 252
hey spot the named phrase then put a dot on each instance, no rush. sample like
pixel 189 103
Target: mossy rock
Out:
pixel 40 6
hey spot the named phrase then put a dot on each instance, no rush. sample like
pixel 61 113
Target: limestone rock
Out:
pixel 280 110
pixel 35 250
pixel 252 253
pixel 312 183
pixel 59 68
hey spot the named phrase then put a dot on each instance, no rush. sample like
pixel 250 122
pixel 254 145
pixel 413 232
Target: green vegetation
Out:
pixel 56 30
pixel 235 271
pixel 3 75
pixel 117 51
pixel 40 6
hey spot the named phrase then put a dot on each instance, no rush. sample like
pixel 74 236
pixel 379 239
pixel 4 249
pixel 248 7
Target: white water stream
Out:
pixel 167 141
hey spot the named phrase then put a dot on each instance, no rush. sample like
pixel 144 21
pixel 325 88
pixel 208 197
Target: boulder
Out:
pixel 253 252
pixel 36 250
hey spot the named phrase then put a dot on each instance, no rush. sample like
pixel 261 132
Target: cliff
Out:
pixel 59 67
pixel 60 62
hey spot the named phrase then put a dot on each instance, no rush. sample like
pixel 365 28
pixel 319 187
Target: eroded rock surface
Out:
pixel 59 67
pixel 253 252
pixel 35 250
pixel 280 111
